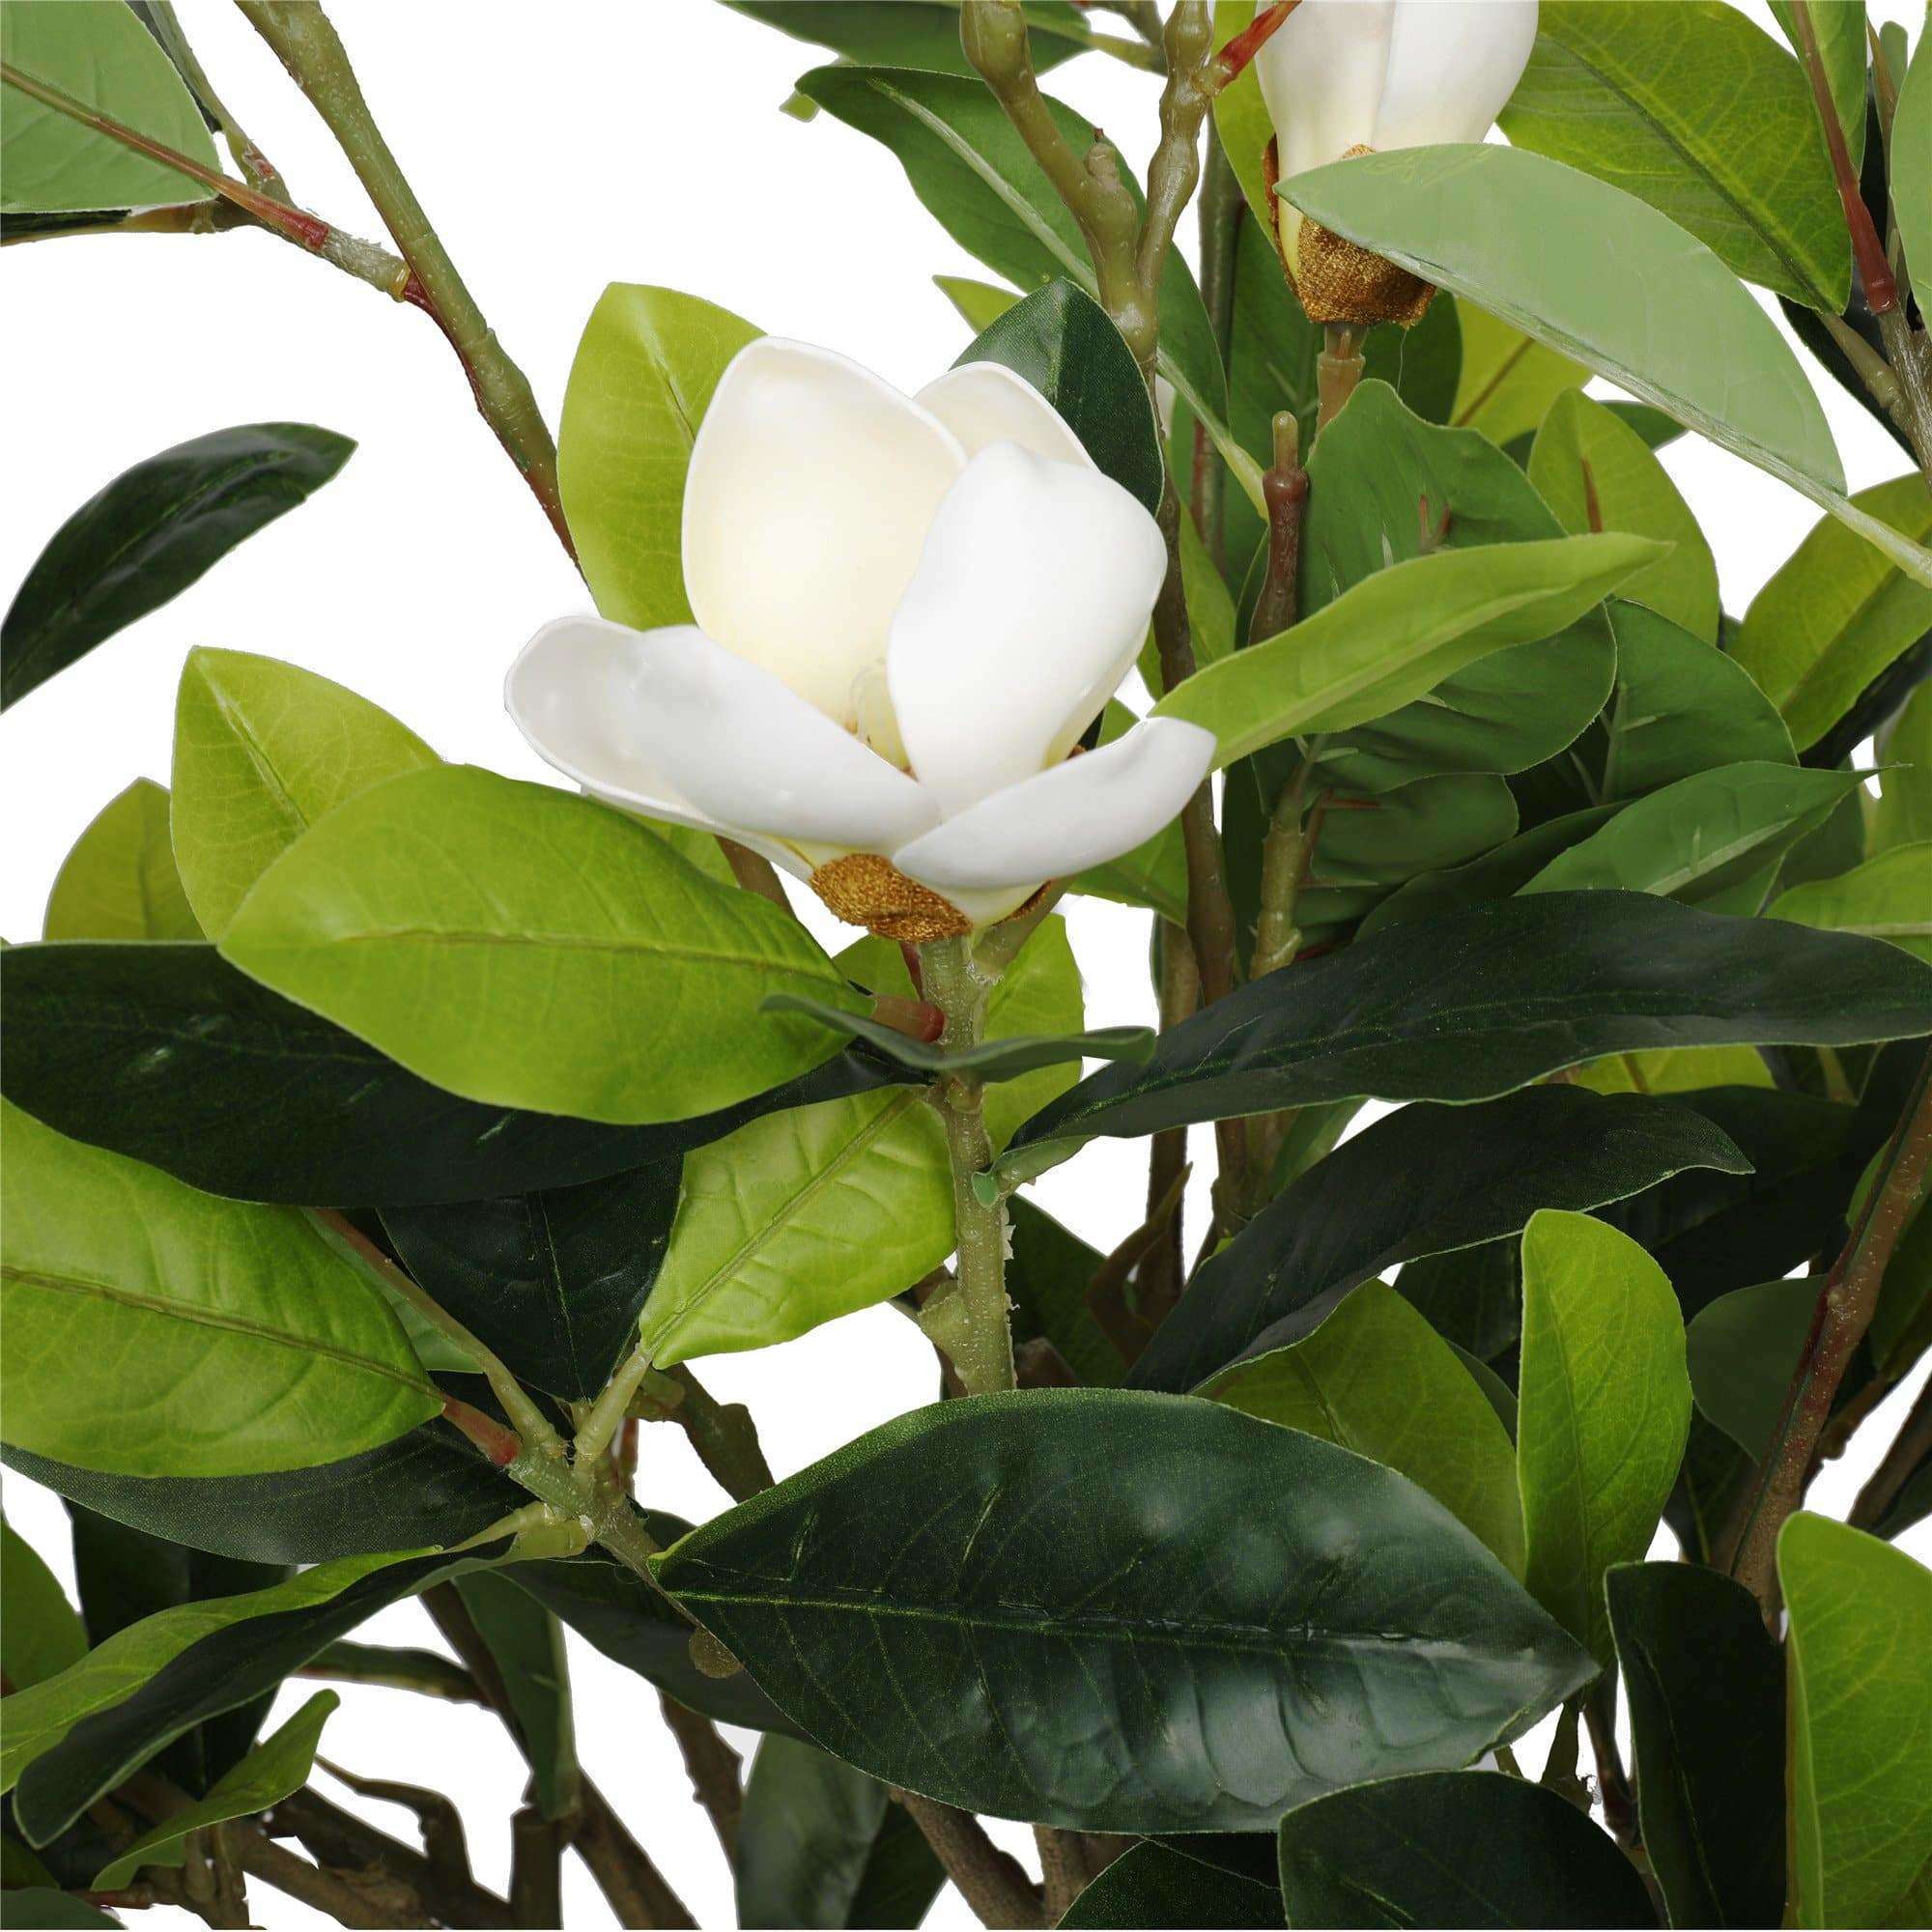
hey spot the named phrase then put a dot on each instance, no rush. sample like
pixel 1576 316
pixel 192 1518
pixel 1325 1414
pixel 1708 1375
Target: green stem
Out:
pixel 1337 369
pixel 306 41
pixel 1221 209
pixel 982 1347
pixel 256 167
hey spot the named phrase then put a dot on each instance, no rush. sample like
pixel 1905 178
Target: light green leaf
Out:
pixel 1398 633
pixel 120 882
pixel 277 1766
pixel 1376 1378
pixel 1595 272
pixel 1710 839
pixel 98 53
pixel 1596 473
pixel 518 945
pixel 1604 1407
pixel 1509 379
pixel 262 751
pixel 1903 812
pixel 1837 612
pixel 980 303
pixel 975 176
pixel 1912 169
pixel 41 1633
pixel 1860 1683
pixel 1841 29
pixel 1675 1070
pixel 643 377
pixel 1699 111
pixel 217 1338
pixel 1888 897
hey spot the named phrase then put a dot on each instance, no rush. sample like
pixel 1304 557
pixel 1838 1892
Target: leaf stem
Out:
pixel 1838 1324
pixel 306 41
pixel 1222 208
pixel 1896 1466
pixel 981 1343
pixel 256 167
pixel 1874 270
pixel 1337 369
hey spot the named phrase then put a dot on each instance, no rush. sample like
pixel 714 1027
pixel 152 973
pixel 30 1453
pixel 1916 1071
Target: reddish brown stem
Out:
pixel 501 1445
pixel 1868 248
pixel 1228 66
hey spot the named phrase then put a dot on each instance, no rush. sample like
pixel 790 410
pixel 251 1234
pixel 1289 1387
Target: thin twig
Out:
pixel 633 1886
pixel 256 167
pixel 990 1881
pixel 713 1767
pixel 1897 1465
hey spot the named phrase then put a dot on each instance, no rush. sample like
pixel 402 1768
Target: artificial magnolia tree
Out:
pixel 386 1141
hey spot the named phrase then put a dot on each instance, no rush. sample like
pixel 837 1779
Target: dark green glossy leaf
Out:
pixel 1035 1604
pixel 1467 1177
pixel 889 33
pixel 553 1281
pixel 1478 1002
pixel 150 533
pixel 1452 1849
pixel 526 1642
pixel 822 1845
pixel 1065 343
pixel 171 1055
pixel 1498 874
pixel 1744 1347
pixel 1706 1690
pixel 991 1060
pixel 45 1910
pixel 89 1731
pixel 1047 1280
pixel 1159 1884
pixel 1473 1298
pixel 618 1613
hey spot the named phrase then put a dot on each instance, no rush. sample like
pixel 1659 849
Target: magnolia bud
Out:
pixel 1345 78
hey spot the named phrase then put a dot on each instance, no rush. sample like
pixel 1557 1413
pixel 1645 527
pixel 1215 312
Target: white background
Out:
pixel 557 149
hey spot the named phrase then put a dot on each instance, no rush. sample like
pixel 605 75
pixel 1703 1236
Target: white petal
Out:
pixel 811 488
pixel 670 722
pixel 984 403
pixel 1031 601
pixel 1082 813
pixel 1452 67
pixel 1321 74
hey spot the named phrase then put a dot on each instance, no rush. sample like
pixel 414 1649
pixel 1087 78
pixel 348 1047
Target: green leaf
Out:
pixel 822 1845
pixel 1152 1884
pixel 1509 379
pixel 1482 1000
pixel 1047 1278
pixel 168 1054
pixel 1711 840
pixel 980 303
pixel 1706 1690
pixel 926 34
pixel 1841 28
pixel 120 882
pixel 1699 111
pixel 553 1282
pixel 1063 342
pixel 1459 1848
pixel 1860 1681
pixel 41 1633
pixel 1398 633
pixel 1061 1627
pixel 975 178
pixel 1743 1348
pixel 524 947
pixel 646 366
pixel 276 1767
pixel 1470 1177
pixel 526 1642
pixel 1377 1379
pixel 1681 708
pixel 1887 897
pixel 1495 875
pixel 83 1732
pixel 1837 613
pixel 1596 473
pixel 991 1060
pixel 262 751
pixel 98 53
pixel 155 528
pixel 1675 1070
pixel 1911 159
pixel 226 1339
pixel 1604 1405
pixel 46 1910
pixel 1903 812
pixel 1528 238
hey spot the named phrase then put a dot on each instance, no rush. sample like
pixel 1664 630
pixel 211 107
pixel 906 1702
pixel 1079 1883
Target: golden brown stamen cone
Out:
pixel 1335 278
pixel 865 890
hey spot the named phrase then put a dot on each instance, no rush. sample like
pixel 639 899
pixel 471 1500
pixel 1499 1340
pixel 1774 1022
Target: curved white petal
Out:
pixel 1452 67
pixel 1031 600
pixel 670 722
pixel 1082 811
pixel 984 403
pixel 1321 74
pixel 811 488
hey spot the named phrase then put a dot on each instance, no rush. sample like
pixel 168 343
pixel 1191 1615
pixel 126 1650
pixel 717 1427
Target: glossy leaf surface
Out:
pixel 1887 897
pixel 157 527
pixel 1008 1603
pixel 1153 1885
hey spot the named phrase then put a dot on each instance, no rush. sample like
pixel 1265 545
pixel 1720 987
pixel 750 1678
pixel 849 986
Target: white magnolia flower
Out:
pixel 1345 77
pixel 908 610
